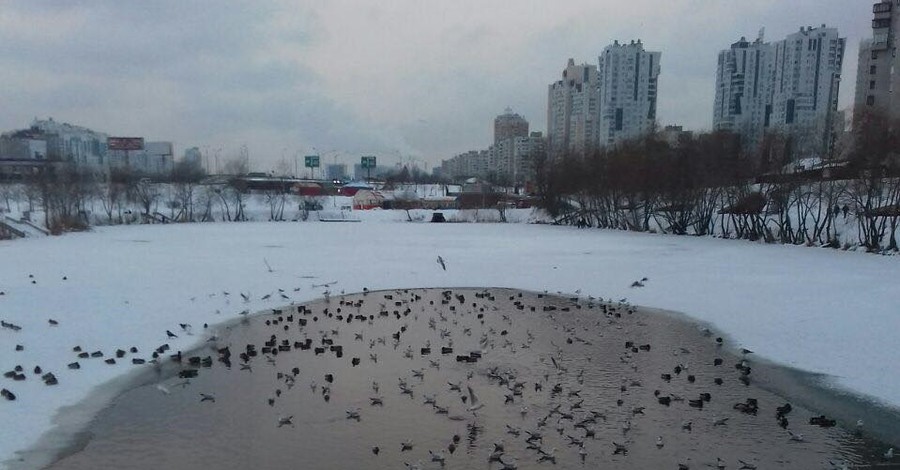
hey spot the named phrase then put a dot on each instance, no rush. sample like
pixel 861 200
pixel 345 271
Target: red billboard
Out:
pixel 125 143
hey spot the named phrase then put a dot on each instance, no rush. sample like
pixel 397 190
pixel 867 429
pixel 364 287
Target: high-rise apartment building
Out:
pixel 509 125
pixel 807 77
pixel 878 73
pixel 572 110
pixel 627 81
pixel 744 89
pixel 790 86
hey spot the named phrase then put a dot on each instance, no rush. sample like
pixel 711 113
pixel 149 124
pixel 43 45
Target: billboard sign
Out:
pixel 125 143
pixel 311 161
pixel 367 162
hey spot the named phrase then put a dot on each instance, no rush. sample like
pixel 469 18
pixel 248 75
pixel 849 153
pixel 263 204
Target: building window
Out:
pixel 874 55
pixel 872 70
pixel 872 84
pixel 870 100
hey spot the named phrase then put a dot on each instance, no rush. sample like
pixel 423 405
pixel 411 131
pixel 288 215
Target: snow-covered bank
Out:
pixel 825 311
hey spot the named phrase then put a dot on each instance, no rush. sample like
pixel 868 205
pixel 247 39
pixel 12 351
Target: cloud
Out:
pixel 406 76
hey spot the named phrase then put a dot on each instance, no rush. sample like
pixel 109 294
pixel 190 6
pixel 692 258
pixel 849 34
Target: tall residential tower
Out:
pixel 744 89
pixel 878 73
pixel 572 111
pixel 628 91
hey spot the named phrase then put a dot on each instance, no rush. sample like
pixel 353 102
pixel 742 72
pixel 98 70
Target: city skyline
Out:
pixel 401 81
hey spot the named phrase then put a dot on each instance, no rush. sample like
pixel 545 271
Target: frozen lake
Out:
pixel 826 312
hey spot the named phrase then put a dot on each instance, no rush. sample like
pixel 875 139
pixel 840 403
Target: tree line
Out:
pixel 709 184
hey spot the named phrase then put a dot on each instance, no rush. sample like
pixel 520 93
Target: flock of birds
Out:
pixel 468 340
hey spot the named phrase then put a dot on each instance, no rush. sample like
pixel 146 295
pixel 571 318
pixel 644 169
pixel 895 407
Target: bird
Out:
pixel 473 400
pixel 171 335
pixel 746 465
pixel 795 436
pixel 286 421
pixel 507 464
pixel 406 445
pixel 353 413
pixel 548 456
pixel 162 388
pixel 889 455
pixel 441 262
pixel 439 457
pixel 659 442
pixel 207 397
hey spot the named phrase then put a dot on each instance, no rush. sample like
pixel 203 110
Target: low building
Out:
pixel 367 199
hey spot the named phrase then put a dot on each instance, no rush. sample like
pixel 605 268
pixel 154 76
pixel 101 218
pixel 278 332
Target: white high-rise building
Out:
pixel 878 73
pixel 509 125
pixel 744 89
pixel 807 77
pixel 790 86
pixel 627 78
pixel 572 109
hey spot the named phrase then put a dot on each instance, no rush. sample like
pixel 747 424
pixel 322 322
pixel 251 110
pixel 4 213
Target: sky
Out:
pixel 409 81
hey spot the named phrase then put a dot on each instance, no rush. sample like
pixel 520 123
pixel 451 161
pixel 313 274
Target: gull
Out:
pixel 286 421
pixel 534 436
pixel 524 410
pixel 513 430
pixel 720 421
pixel 420 373
pixel 889 455
pixel 720 464
pixel 455 387
pixel 207 397
pixel 582 452
pixel 441 410
pixel 508 464
pixel 659 442
pixel 798 437
pixel 415 466
pixel 353 413
pixel 375 386
pixel 441 262
pixel 245 297
pixel 498 446
pixel 620 448
pixel 376 401
pixel 746 466
pixel 439 457
pixel 548 456
pixel 406 445
pixel 473 399
pixel 429 400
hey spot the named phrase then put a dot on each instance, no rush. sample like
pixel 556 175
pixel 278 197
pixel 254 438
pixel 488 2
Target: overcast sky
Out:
pixel 411 78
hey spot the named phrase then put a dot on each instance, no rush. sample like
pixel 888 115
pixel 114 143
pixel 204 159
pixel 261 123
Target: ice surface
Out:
pixel 820 310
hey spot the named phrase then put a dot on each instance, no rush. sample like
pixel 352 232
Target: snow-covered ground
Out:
pixel 820 310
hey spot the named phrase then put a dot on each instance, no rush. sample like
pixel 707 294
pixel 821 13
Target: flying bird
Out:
pixel 441 262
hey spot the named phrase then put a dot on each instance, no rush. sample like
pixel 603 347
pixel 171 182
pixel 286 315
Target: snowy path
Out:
pixel 820 310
